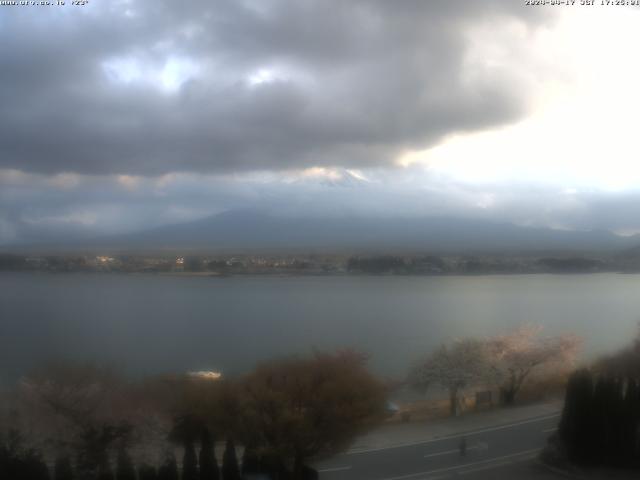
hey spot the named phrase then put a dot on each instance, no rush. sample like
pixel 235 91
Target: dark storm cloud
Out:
pixel 343 83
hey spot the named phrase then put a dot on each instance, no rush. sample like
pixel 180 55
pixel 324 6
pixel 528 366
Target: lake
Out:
pixel 151 323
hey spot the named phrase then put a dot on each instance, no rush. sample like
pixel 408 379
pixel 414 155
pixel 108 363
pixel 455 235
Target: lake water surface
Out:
pixel 147 323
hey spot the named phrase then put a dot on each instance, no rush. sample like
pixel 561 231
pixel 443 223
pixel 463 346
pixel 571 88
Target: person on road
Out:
pixel 463 446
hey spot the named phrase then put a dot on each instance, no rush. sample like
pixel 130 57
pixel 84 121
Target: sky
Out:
pixel 123 115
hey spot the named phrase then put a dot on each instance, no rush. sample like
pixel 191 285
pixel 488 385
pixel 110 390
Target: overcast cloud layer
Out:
pixel 125 115
pixel 151 87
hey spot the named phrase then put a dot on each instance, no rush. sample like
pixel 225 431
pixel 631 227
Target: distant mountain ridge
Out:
pixel 254 230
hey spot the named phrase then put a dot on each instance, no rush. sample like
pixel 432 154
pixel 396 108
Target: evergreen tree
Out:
pixel 62 469
pixel 11 465
pixel 230 470
pixel 4 459
pixel 186 428
pixel 272 465
pixel 575 426
pixel 250 462
pixel 169 468
pixel 104 470
pixel 147 472
pixel 599 422
pixel 93 449
pixel 208 464
pixel 309 473
pixel 33 467
pixel 635 407
pixel 17 462
pixel 124 468
pixel 189 462
pixel 631 426
pixel 617 423
pixel 600 425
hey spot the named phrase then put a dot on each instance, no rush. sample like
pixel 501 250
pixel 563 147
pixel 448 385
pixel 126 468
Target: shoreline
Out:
pixel 275 274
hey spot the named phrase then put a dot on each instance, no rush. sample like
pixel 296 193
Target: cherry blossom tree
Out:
pixel 456 366
pixel 514 356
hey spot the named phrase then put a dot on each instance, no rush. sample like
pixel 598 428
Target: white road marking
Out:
pixel 484 467
pixel 455 450
pixel 500 461
pixel 448 452
pixel 335 469
pixel 463 467
pixel 549 430
pixel 483 446
pixel 456 435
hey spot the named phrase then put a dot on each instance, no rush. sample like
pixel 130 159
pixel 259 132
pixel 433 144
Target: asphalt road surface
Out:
pixel 500 451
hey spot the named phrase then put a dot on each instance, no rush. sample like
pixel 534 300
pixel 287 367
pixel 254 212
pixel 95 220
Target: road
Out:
pixel 500 451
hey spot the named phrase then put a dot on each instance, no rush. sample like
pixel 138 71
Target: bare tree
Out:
pixel 296 409
pixel 75 393
pixel 454 367
pixel 79 409
pixel 515 356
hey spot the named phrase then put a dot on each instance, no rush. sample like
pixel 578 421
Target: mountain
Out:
pixel 252 230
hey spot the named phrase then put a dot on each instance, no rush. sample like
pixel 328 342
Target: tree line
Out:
pixel 91 424
pixel 20 463
pixel 600 423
